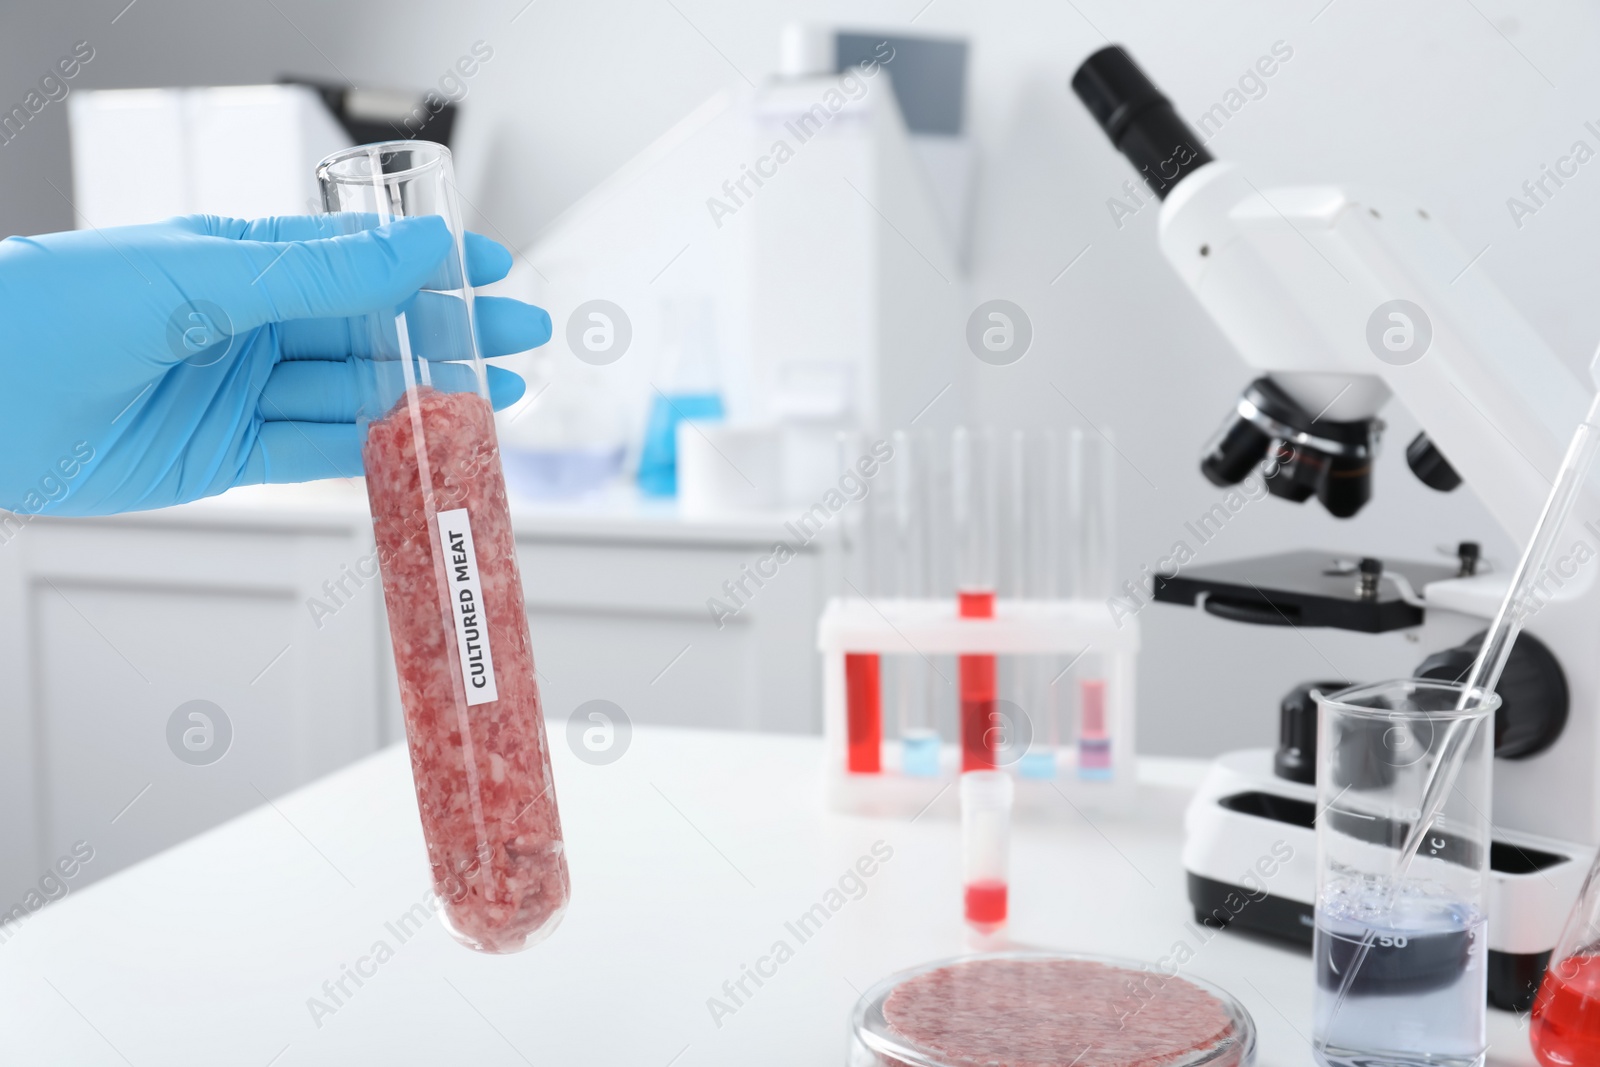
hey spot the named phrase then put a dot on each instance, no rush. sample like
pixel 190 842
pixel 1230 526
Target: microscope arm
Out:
pixel 1340 299
pixel 1297 277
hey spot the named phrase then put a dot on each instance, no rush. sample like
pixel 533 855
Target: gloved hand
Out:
pixel 151 365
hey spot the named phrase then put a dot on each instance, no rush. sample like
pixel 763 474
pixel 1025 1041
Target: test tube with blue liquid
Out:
pixel 1035 554
pixel 913 506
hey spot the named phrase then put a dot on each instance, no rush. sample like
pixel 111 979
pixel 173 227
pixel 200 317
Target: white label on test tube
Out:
pixel 466 599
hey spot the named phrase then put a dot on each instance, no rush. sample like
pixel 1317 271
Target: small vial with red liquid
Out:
pixel 474 725
pixel 1565 1025
pixel 986 800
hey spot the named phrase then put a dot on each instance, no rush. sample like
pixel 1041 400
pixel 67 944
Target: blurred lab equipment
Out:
pixel 723 468
pixel 887 627
pixel 688 385
pixel 986 799
pixel 1405 319
pixel 806 192
pixel 560 473
pixel 1048 1007
pixel 1400 950
pixel 239 151
pixel 447 554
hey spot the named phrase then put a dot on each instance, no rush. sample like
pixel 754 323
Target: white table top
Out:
pixel 688 856
pixel 616 513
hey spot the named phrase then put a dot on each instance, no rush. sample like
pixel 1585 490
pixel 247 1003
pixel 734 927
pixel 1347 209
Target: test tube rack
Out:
pixel 931 627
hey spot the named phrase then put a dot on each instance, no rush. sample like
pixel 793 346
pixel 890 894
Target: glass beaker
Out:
pixel 1565 1025
pixel 1403 838
pixel 479 757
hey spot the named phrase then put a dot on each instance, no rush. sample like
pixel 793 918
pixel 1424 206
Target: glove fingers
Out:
pixel 333 277
pixel 322 391
pixel 303 452
pixel 488 260
pixel 505 326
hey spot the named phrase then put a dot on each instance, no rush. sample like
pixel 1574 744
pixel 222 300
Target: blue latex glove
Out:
pixel 121 388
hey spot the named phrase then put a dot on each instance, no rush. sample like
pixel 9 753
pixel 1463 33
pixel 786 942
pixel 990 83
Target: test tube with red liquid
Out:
pixel 863 675
pixel 973 463
pixel 479 758
pixel 986 800
pixel 1565 1025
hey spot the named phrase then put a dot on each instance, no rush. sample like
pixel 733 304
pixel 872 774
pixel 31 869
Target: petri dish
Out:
pixel 1047 1009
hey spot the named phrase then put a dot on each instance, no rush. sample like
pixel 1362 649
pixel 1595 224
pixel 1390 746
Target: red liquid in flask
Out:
pixel 977 691
pixel 1565 1028
pixel 480 764
pixel 986 904
pixel 863 712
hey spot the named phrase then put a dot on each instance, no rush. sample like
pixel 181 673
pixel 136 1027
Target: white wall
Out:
pixel 1459 102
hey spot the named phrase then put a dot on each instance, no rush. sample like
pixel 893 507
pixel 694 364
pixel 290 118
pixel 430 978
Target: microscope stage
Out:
pixel 1304 588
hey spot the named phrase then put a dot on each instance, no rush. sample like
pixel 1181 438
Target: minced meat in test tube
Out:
pixel 474 725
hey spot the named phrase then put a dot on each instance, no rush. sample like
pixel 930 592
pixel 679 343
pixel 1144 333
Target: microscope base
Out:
pixel 1250 850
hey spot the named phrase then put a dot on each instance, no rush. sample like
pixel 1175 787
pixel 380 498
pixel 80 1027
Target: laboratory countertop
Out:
pixel 618 512
pixel 692 856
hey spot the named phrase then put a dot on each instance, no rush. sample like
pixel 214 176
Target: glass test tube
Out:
pixel 974 481
pixel 919 736
pixel 986 799
pixel 1091 498
pixel 479 757
pixel 863 681
pixel 1035 507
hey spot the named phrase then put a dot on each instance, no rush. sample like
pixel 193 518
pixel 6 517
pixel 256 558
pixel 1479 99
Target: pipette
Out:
pixel 1502 635
pixel 1563 496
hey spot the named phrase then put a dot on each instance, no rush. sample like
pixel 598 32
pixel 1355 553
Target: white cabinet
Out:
pixel 108 627
pixel 627 622
pixel 112 625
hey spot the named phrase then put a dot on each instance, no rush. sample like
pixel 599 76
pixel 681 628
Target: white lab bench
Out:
pixel 108 625
pixel 688 855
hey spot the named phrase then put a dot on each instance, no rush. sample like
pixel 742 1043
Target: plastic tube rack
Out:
pixel 927 628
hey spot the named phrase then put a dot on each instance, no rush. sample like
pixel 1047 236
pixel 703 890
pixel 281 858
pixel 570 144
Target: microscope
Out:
pixel 1339 299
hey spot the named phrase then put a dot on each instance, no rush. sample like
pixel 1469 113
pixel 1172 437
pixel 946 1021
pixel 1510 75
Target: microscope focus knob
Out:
pixel 1533 693
pixel 1296 758
pixel 1430 466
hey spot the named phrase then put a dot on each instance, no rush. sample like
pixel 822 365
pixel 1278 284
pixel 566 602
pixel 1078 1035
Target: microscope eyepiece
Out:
pixel 1139 120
